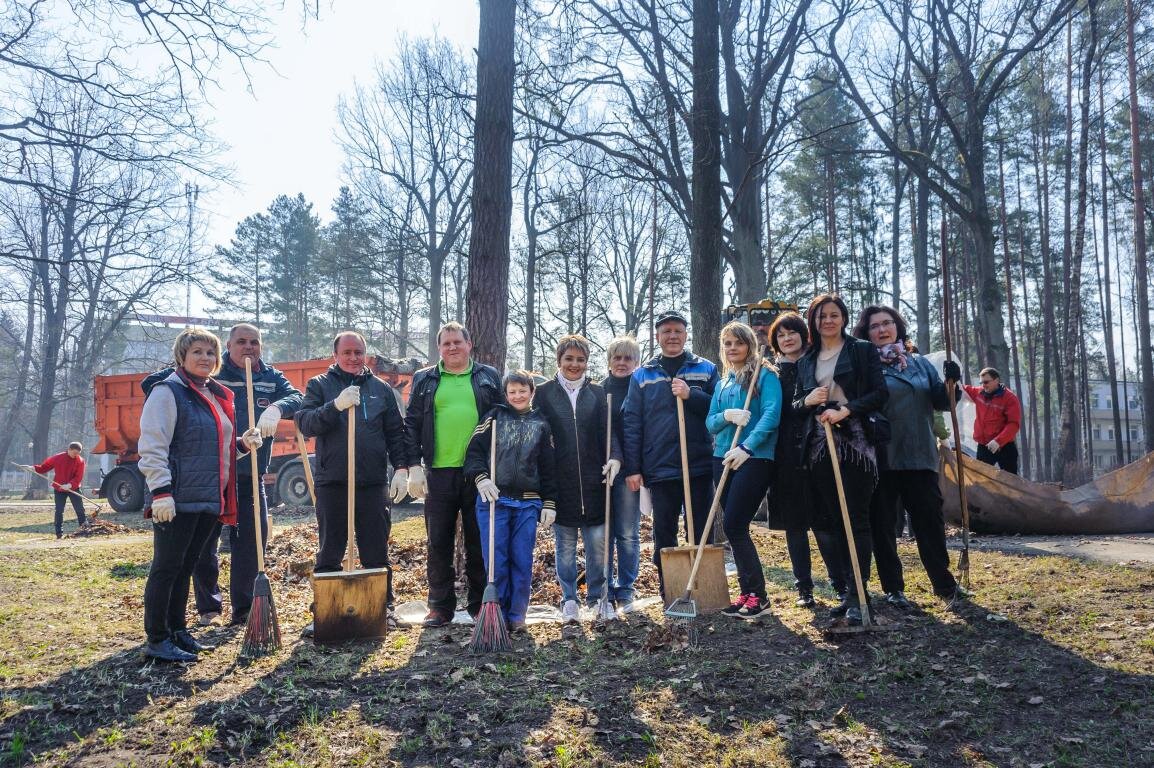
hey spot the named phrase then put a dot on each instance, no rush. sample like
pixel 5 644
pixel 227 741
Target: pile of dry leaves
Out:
pixel 291 555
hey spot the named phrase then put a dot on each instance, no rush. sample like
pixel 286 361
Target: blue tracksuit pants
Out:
pixel 515 533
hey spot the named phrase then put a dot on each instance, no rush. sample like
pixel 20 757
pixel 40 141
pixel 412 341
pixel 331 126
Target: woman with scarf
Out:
pixel 789 498
pixel 909 463
pixel 575 409
pixel 188 452
pixel 840 383
pixel 750 461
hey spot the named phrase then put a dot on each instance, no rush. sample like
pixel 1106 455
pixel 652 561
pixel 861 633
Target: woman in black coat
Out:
pixel 789 498
pixel 840 383
pixel 576 409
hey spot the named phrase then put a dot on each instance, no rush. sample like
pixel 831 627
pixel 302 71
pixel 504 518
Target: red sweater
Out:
pixel 999 415
pixel 67 469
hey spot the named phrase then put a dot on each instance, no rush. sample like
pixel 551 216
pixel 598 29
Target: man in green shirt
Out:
pixel 446 402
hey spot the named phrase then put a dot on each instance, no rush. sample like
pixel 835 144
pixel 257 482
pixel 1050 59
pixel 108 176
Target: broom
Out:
pixel 489 632
pixel 262 632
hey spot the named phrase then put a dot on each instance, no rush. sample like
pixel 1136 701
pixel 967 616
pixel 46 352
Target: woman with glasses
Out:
pixel 908 476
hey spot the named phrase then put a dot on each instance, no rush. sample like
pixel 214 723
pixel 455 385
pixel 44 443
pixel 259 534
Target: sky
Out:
pixel 281 135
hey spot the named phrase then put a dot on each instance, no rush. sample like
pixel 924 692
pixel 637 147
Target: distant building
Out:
pixel 1103 440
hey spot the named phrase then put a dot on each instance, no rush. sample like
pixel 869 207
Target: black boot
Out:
pixel 186 642
pixel 167 650
pixel 843 605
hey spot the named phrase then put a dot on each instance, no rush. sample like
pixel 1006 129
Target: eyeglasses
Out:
pixel 986 381
pixel 882 324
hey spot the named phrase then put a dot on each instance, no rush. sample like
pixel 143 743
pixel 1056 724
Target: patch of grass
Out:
pixel 129 570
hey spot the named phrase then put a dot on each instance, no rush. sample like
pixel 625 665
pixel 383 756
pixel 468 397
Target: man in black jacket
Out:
pixel 348 389
pixel 446 402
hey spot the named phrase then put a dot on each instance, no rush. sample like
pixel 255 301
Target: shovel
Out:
pixel 308 467
pixel 685 607
pixel 677 563
pixel 866 624
pixel 350 604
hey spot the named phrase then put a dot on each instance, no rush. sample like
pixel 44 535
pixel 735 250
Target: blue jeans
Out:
pixel 515 533
pixel 565 538
pixel 625 540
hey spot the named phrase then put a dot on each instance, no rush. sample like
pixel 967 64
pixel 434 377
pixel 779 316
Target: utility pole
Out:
pixel 191 193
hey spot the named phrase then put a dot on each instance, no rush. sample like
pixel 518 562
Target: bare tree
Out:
pixel 411 130
pixel 965 61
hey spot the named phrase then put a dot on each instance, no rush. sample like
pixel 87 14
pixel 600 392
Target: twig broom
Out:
pixel 262 632
pixel 489 631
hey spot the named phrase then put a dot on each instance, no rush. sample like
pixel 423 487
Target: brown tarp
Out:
pixel 1121 501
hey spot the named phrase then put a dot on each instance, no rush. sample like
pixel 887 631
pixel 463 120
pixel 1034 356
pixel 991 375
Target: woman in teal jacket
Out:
pixel 750 462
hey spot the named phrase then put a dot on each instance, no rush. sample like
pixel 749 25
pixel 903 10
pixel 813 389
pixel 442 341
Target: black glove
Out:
pixel 952 371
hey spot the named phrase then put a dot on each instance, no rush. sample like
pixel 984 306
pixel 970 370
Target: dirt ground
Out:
pixel 1051 663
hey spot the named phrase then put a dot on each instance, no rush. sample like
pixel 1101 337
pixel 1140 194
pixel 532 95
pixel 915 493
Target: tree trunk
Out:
pixel 1104 287
pixel 16 411
pixel 705 132
pixel 1141 281
pixel 1069 453
pixel 1023 437
pixel 487 298
pixel 921 250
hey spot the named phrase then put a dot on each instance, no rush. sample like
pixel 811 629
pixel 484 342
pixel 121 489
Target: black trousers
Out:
pixel 77 507
pixel 451 496
pixel 1006 458
pixel 668 499
pixel 176 546
pixel 372 522
pixel 242 568
pixel 740 499
pixel 797 544
pixel 918 492
pixel 859 485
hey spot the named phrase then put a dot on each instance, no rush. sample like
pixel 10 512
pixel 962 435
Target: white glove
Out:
pixel 268 421
pixel 738 416
pixel 252 439
pixel 399 486
pixel 735 457
pixel 993 446
pixel 488 490
pixel 348 397
pixel 610 470
pixel 547 516
pixel 27 467
pixel 66 486
pixel 418 486
pixel 163 509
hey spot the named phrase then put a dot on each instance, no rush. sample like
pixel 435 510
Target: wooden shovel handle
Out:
pixel 690 532
pixel 351 481
pixel 302 446
pixel 832 448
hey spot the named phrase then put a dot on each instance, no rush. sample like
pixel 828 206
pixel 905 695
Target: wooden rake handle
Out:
pixel 492 504
pixel 303 447
pixel 692 582
pixel 254 463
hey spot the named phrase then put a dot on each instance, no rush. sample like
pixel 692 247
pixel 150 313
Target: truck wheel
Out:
pixel 291 486
pixel 124 489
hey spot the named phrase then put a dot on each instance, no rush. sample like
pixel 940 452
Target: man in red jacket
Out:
pixel 69 476
pixel 997 421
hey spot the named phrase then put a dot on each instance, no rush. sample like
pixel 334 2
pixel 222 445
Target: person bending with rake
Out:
pixel 514 475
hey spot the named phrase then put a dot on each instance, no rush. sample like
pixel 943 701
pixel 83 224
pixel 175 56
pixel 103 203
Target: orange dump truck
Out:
pixel 119 400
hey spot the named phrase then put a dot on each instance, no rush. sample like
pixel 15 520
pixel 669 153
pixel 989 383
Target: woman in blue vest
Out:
pixel 750 461
pixel 908 465
pixel 188 451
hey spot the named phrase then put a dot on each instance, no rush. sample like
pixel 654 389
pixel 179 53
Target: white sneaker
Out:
pixel 571 612
pixel 209 620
